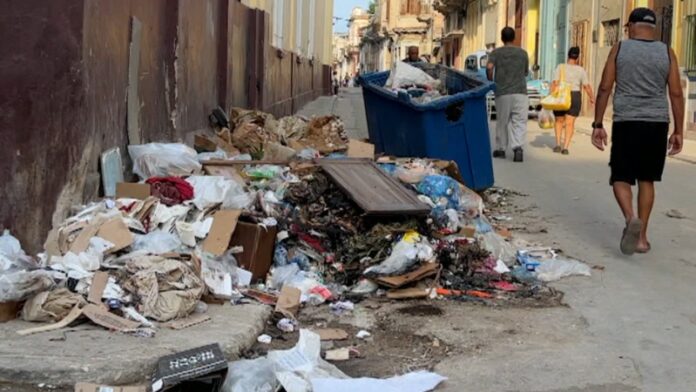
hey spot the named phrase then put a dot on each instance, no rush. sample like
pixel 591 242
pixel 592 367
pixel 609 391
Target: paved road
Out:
pixel 629 328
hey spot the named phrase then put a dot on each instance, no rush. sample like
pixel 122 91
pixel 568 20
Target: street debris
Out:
pixel 278 212
pixel 676 214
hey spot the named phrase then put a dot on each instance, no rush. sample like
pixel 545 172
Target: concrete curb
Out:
pixel 91 354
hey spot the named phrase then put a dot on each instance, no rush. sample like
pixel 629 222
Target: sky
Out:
pixel 342 9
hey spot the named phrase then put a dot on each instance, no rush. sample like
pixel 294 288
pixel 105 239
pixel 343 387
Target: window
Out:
pixel 278 25
pixel 483 62
pixel 470 63
pixel 410 7
pixel 611 32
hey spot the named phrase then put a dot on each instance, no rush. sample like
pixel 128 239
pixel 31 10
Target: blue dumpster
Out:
pixel 454 127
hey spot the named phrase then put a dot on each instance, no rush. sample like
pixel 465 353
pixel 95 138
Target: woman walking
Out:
pixel 574 76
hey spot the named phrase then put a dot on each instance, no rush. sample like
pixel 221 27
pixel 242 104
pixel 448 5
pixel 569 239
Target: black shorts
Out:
pixel 575 105
pixel 638 151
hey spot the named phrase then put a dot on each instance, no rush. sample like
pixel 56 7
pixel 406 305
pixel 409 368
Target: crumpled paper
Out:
pixel 51 305
pixel 167 288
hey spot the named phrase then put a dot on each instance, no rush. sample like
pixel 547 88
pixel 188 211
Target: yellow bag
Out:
pixel 560 99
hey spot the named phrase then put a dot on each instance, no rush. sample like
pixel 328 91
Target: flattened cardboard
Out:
pixel 9 310
pixel 331 334
pixel 288 301
pixel 218 240
pixel 81 243
pixel 409 293
pixel 261 296
pixel 229 172
pixel 116 232
pixel 132 190
pixel 72 316
pixel 87 387
pixel 108 320
pixel 359 149
pixel 203 144
pixel 188 321
pixel 99 281
pixel 424 271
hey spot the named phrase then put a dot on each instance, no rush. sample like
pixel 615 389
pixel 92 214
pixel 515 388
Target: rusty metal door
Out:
pixel 579 38
pixel 255 62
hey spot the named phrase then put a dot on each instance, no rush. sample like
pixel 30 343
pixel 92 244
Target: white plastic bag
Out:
pixel 11 254
pixel 404 74
pixel 156 242
pixel 255 375
pixel 411 249
pixel 211 190
pixel 20 285
pixel 555 269
pixel 163 160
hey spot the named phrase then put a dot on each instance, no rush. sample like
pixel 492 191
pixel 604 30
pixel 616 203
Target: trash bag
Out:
pixel 441 190
pixel 163 160
pixel 555 269
pixel 256 375
pixel 211 190
pixel 51 306
pixel 470 203
pixel 546 119
pixel 20 285
pixel 12 256
pixel 403 74
pixel 411 249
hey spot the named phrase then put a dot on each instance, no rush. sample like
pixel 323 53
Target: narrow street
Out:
pixel 627 328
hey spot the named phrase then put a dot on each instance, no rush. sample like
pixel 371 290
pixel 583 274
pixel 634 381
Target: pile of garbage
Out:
pixel 228 222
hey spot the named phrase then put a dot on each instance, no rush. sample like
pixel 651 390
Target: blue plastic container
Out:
pixel 454 127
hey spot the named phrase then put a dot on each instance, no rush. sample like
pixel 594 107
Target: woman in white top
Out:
pixel 576 77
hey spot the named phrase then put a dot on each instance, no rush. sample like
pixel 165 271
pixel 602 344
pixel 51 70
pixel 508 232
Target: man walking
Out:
pixel 642 69
pixel 508 67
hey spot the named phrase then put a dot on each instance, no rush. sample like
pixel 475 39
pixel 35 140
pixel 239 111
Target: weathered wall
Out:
pixel 43 135
pixel 64 90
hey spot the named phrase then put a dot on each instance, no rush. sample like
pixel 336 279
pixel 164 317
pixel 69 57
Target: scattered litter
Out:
pixel 341 307
pixel 555 269
pixel 287 325
pixel 362 334
pixel 265 339
pixel 676 214
pixel 339 354
pixel 420 381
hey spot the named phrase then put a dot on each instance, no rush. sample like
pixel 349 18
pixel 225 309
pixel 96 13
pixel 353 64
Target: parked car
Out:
pixel 475 65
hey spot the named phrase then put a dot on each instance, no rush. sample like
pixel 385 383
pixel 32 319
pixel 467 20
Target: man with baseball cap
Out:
pixel 642 72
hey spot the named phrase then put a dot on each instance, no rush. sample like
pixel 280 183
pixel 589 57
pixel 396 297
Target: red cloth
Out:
pixel 170 190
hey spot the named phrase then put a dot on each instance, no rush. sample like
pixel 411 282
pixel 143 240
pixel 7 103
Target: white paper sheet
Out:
pixel 410 382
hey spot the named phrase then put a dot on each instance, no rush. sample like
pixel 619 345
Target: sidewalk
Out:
pixel 688 154
pixel 348 105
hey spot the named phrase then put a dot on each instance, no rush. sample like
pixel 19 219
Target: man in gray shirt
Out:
pixel 643 72
pixel 508 67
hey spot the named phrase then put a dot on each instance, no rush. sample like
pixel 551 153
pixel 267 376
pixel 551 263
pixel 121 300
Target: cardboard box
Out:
pixel 201 369
pixel 132 190
pixel 259 244
pixel 9 310
pixel 87 387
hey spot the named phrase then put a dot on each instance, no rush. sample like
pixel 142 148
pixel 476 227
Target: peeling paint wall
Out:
pixel 64 90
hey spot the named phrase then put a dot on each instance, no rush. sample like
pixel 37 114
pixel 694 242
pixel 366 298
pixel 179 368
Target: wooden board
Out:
pixel 372 189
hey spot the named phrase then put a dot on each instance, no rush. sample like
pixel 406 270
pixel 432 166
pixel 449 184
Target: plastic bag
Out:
pixel 163 160
pixel 156 242
pixel 255 375
pixel 12 257
pixel 555 269
pixel 498 247
pixel 211 190
pixel 20 285
pixel 264 172
pixel 441 190
pixel 218 154
pixel 546 119
pixel 404 74
pixel 411 249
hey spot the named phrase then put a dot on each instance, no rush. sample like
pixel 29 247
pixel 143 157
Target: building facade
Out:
pixel 397 25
